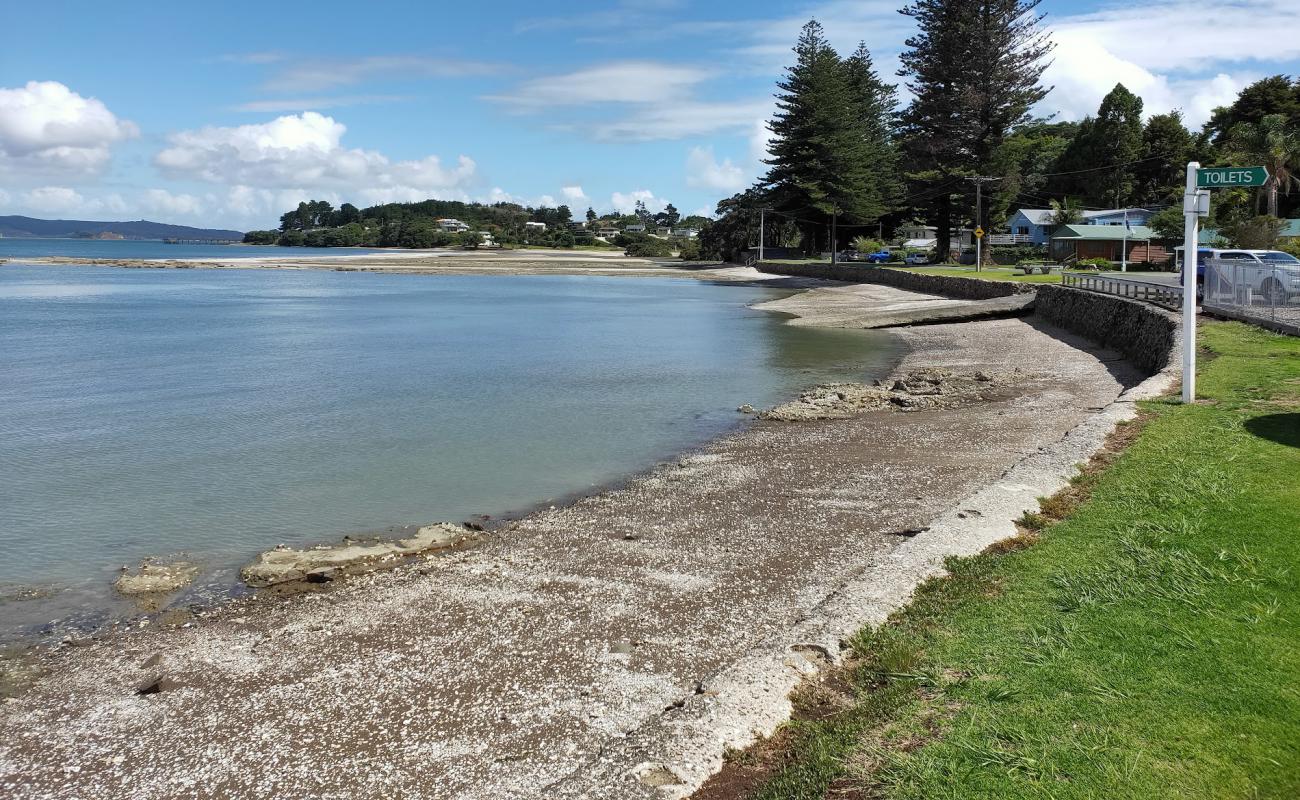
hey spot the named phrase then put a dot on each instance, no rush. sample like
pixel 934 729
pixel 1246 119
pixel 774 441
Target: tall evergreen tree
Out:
pixel 1166 148
pixel 974 69
pixel 1118 132
pixel 874 105
pixel 821 156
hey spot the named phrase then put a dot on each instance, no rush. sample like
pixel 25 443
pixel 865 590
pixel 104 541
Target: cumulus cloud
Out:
pixel 161 201
pixel 45 126
pixel 703 171
pixel 65 200
pixel 625 203
pixel 304 151
pixel 573 193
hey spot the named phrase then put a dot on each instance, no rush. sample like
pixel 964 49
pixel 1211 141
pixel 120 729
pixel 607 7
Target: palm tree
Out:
pixel 1273 144
pixel 1069 212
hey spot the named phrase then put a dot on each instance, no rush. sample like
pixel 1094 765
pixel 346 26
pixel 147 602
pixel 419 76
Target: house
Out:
pixel 663 230
pixel 1108 242
pixel 684 233
pixel 452 225
pixel 1036 223
pixel 924 237
pixel 487 239
pixel 608 233
pixel 535 226
pixel 638 228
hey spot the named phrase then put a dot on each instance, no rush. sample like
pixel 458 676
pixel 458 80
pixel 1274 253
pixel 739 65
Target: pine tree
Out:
pixel 1166 148
pixel 974 69
pixel 1118 133
pixel 829 153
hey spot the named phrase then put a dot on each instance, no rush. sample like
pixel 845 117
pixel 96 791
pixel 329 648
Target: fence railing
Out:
pixel 1010 238
pixel 1253 291
pixel 1161 294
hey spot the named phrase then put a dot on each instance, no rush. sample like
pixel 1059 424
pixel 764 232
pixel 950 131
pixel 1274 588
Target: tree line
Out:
pixel 316 223
pixel 842 149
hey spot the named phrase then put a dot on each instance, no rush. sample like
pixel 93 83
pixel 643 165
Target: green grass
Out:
pixel 1147 645
pixel 988 274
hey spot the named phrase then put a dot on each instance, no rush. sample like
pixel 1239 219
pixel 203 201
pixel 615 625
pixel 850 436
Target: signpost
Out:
pixel 979 234
pixel 1231 177
pixel 1196 204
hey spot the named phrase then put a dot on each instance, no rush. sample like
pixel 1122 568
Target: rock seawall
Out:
pixel 1146 335
pixel 964 288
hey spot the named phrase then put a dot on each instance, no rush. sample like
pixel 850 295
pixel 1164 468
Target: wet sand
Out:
pixel 610 648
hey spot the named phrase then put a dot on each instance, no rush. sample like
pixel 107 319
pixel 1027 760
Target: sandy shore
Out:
pixel 611 648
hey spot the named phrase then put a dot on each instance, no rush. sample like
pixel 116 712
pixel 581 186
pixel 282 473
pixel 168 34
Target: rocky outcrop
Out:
pixel 917 390
pixel 318 564
pixel 153 578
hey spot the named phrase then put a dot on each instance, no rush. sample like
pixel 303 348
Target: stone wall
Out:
pixel 1146 335
pixel 964 288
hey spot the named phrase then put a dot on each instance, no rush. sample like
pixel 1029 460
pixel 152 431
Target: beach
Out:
pixel 614 646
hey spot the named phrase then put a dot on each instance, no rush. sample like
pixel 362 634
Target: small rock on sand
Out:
pixel 154 578
pixel 319 564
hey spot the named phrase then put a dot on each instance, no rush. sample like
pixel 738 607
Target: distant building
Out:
pixel 1108 242
pixel 634 228
pixel 537 226
pixel 452 225
pixel 1036 223
pixel 684 233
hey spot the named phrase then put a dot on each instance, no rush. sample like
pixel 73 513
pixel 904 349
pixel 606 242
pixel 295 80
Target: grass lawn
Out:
pixel 1140 639
pixel 988 274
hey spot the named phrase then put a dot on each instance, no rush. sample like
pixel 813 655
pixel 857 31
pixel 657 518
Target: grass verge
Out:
pixel 1141 638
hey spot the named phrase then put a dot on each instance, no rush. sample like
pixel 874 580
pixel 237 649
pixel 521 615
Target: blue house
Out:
pixel 1036 223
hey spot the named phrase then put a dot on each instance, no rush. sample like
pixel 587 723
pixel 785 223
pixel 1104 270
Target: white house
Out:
pixel 452 225
pixel 638 228
pixel 607 233
pixel 924 237
pixel 1036 223
pixel 684 233
pixel 536 226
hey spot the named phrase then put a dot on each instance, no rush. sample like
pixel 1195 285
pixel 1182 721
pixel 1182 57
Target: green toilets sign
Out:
pixel 1230 177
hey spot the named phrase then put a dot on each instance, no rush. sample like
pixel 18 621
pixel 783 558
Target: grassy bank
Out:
pixel 988 274
pixel 1140 639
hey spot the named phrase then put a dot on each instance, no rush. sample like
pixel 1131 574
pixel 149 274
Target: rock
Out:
pixel 155 685
pixel 899 386
pixel 622 647
pixel 154 578
pixel 284 564
pixel 746 409
pixel 152 661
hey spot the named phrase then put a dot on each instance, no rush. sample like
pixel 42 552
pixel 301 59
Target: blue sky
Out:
pixel 227 114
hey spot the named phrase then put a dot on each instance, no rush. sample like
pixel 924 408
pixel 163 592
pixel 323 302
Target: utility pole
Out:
pixel 979 181
pixel 762 217
pixel 835 214
pixel 1123 254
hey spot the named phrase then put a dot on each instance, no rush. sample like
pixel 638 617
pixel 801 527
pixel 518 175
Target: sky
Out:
pixel 228 114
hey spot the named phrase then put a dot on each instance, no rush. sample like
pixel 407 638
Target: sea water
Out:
pixel 213 414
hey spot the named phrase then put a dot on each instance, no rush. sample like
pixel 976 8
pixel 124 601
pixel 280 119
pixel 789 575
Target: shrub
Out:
pixel 865 244
pixel 1096 263
pixel 650 248
pixel 1014 254
pixel 689 250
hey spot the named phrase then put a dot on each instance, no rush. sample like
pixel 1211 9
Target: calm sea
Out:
pixel 17 249
pixel 213 414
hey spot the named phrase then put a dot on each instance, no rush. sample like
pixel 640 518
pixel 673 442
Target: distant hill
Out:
pixel 18 227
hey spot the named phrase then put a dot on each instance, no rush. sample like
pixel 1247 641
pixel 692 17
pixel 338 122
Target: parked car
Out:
pixel 1272 274
pixel 916 259
pixel 878 257
pixel 848 255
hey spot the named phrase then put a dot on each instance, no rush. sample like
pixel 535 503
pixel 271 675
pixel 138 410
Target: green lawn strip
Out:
pixel 1148 645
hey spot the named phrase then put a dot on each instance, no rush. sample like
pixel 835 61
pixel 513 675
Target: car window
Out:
pixel 1234 256
pixel 1278 257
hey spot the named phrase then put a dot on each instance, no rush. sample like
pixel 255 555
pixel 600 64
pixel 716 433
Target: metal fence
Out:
pixel 1161 294
pixel 1253 291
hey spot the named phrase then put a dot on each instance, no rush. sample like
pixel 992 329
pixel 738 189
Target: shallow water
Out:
pixel 18 249
pixel 216 413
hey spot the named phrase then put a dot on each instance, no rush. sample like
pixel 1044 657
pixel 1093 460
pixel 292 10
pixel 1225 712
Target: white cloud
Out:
pixel 4 197
pixel 161 201
pixel 704 171
pixel 65 200
pixel 45 126
pixel 625 203
pixel 633 82
pixel 305 151
pixel 547 201
pixel 573 193
pixel 319 75
pixel 683 119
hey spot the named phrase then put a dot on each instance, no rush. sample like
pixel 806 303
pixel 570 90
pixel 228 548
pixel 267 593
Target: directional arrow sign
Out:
pixel 1230 177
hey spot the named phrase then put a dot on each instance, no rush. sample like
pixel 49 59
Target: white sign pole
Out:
pixel 1191 215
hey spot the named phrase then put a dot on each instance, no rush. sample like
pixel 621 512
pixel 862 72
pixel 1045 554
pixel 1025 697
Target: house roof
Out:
pixel 1112 233
pixel 1043 216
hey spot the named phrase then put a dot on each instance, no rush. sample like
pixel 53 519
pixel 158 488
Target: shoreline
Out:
pixel 691 539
